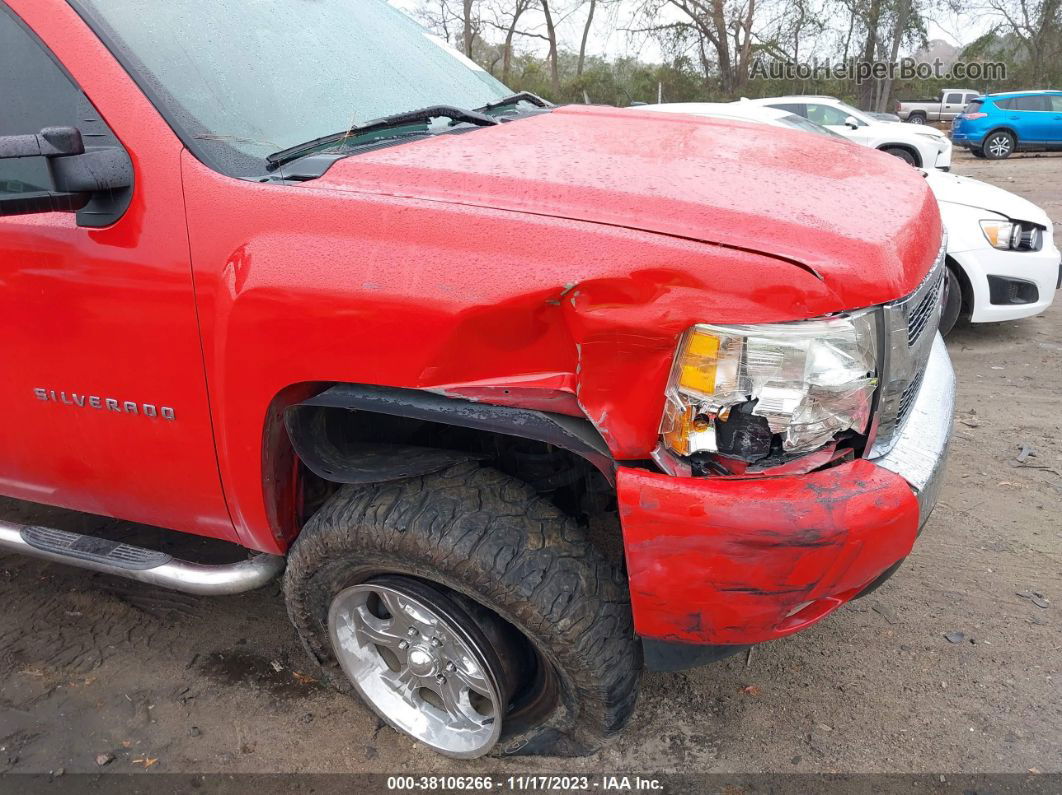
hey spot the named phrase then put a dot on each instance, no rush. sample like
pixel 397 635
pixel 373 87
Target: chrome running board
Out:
pixel 137 563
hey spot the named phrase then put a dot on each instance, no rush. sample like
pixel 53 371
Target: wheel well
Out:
pixel 909 149
pixel 1008 130
pixel 337 437
pixel 920 113
pixel 965 287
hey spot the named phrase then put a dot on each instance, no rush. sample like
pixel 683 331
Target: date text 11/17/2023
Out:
pixel 526 783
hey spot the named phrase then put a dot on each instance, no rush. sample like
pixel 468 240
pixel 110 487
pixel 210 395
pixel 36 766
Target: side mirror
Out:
pixel 50 142
pixel 97 184
pixel 851 121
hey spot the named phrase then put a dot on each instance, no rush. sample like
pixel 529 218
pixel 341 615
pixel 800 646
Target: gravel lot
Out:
pixel 94 669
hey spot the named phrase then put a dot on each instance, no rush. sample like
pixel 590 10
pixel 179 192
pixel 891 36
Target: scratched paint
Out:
pixel 743 561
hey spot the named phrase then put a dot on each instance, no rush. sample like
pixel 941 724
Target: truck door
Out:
pixel 954 102
pixel 103 396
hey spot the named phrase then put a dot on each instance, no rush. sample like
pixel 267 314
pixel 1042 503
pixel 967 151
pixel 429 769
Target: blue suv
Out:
pixel 996 125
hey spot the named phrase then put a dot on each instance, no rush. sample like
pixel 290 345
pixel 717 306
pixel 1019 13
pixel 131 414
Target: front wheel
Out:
pixel 999 145
pixel 904 154
pixel 952 308
pixel 468 613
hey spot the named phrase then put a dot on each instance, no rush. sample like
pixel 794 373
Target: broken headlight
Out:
pixel 743 391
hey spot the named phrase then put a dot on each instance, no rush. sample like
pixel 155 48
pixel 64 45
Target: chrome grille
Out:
pixel 921 314
pixel 910 325
pixel 907 399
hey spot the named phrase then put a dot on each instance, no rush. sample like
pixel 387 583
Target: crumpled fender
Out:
pixel 626 330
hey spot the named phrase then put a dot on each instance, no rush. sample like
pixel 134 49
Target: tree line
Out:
pixel 708 48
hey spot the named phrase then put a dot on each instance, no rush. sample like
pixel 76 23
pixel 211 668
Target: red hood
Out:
pixel 864 221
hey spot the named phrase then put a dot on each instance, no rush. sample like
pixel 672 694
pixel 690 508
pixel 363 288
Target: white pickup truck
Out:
pixel 945 107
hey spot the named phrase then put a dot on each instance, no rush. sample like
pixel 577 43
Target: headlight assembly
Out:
pixel 1012 235
pixel 746 392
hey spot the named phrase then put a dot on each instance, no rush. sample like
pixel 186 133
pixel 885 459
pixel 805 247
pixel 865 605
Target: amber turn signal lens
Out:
pixel 697 364
pixel 678 423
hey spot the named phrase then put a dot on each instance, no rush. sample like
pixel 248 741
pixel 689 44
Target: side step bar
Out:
pixel 137 563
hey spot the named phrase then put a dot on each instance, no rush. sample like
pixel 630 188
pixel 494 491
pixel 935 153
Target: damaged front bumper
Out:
pixel 718 563
pixel 920 454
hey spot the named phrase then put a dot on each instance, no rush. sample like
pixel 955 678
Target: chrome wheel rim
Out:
pixel 999 146
pixel 419 669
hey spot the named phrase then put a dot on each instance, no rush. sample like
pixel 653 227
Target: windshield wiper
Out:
pixel 425 115
pixel 513 99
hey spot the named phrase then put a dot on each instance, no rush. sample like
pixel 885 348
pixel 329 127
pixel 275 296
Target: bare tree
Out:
pixel 437 16
pixel 901 21
pixel 507 63
pixel 468 27
pixel 1037 24
pixel 551 37
pixel 850 6
pixel 801 17
pixel 505 17
pixel 586 35
pixel 717 28
pixel 870 48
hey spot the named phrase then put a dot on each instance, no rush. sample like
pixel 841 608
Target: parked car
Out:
pixel 411 358
pixel 998 125
pixel 922 147
pixel 948 104
pixel 1001 257
pixel 744 112
pixel 1002 260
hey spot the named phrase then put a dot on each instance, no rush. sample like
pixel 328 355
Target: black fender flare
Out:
pixel 375 462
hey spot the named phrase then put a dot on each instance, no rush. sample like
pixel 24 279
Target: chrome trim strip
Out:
pixel 920 453
pixel 179 575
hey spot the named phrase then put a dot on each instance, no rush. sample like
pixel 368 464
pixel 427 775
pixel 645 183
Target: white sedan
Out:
pixel 921 146
pixel 1001 256
pixel 1001 251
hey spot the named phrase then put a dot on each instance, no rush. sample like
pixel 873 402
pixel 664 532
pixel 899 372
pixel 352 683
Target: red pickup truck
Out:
pixel 520 398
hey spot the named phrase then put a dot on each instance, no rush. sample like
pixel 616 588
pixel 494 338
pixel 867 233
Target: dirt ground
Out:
pixel 157 681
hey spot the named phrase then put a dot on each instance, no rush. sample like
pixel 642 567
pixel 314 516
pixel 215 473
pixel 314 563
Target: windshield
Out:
pixel 854 112
pixel 240 80
pixel 800 123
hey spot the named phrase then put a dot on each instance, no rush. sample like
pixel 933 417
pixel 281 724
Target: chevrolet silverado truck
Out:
pixel 949 104
pixel 521 399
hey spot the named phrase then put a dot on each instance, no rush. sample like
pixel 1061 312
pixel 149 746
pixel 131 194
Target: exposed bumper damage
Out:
pixel 729 561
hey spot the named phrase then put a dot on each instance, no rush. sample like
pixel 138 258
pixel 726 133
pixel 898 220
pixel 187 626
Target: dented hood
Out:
pixel 864 222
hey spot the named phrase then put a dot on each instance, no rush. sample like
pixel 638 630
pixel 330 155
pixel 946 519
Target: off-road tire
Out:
pixel 491 538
